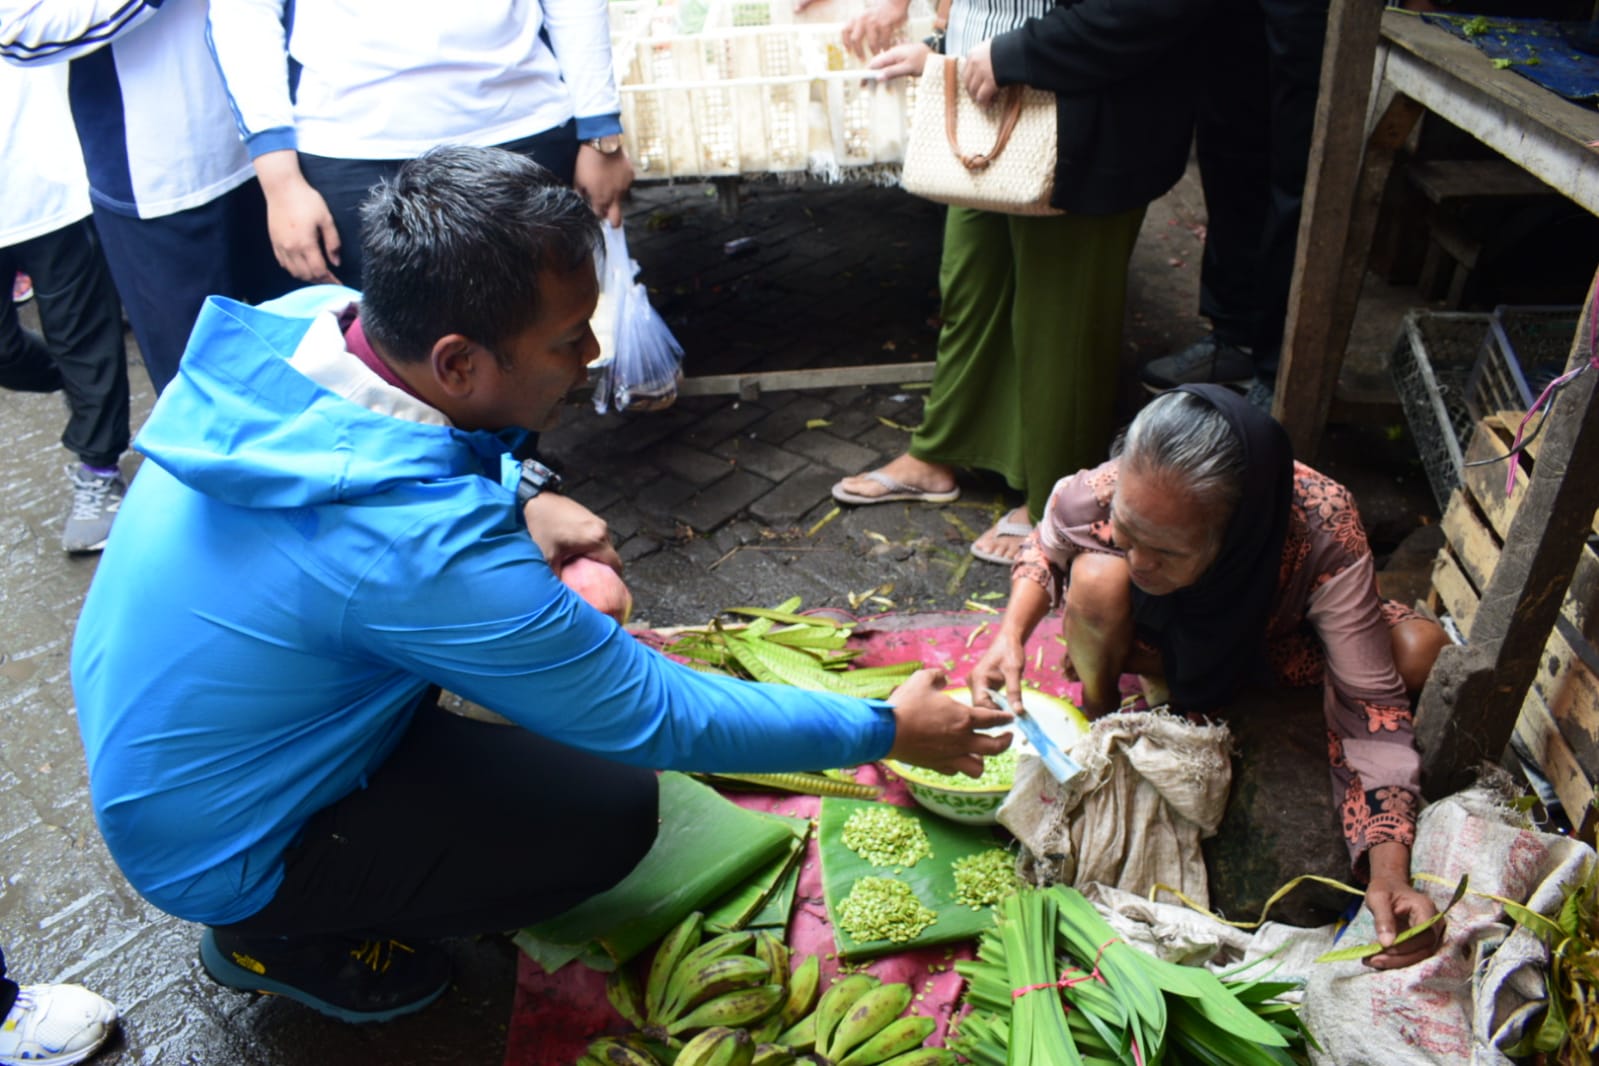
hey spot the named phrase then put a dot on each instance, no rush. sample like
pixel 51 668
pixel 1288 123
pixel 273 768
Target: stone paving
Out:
pixel 714 503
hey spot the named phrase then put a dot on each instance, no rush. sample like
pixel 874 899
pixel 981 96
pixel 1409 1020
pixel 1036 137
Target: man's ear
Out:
pixel 456 361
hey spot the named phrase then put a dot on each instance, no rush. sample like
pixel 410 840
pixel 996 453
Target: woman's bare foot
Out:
pixel 1002 542
pixel 904 478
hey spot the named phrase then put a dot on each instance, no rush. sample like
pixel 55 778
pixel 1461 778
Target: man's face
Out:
pixel 548 359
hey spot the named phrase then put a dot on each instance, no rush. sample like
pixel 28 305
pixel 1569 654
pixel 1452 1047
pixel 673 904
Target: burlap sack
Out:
pixel 1152 786
pixel 1482 989
pixel 1480 993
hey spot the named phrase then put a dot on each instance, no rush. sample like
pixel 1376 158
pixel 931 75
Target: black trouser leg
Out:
pixel 1233 146
pixel 1256 115
pixel 1295 33
pixel 467 828
pixel 8 987
pixel 81 351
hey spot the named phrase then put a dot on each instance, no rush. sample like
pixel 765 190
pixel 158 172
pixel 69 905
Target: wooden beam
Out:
pixel 1343 188
pixel 750 386
pixel 1468 709
pixel 1532 127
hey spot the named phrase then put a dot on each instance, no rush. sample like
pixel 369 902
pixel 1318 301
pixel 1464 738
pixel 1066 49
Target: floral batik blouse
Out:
pixel 1328 626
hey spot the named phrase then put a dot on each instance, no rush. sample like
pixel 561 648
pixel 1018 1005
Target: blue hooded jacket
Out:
pixel 288 573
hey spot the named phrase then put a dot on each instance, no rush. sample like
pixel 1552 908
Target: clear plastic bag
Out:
pixel 645 361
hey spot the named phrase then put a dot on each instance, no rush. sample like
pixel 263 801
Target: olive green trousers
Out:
pixel 1025 381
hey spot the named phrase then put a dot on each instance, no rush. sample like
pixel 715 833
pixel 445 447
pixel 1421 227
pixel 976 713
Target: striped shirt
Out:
pixel 970 24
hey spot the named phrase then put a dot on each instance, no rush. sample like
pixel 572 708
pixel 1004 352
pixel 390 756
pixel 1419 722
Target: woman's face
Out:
pixel 1169 537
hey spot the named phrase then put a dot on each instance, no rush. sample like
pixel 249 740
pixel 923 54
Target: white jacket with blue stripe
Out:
pixel 152 116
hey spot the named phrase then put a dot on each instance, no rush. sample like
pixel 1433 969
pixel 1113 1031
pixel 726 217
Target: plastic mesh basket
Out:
pixel 1453 368
pixel 1433 361
pixel 1526 348
pixel 751 90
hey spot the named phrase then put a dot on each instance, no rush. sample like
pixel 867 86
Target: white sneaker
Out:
pixel 55 1025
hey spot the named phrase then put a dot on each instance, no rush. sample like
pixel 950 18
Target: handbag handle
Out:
pixel 1007 124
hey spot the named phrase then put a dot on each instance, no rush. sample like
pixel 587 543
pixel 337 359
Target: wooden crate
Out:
pixel 1558 730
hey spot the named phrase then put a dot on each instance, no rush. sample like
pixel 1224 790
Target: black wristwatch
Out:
pixel 935 41
pixel 535 478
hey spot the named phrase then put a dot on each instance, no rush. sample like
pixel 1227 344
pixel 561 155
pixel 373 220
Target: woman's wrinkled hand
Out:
pixel 977 74
pixel 999 668
pixel 1395 907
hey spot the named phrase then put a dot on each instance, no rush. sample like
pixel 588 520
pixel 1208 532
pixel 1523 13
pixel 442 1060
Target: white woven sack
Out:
pixel 1018 181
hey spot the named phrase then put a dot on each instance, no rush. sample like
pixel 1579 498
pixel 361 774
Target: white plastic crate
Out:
pixel 756 90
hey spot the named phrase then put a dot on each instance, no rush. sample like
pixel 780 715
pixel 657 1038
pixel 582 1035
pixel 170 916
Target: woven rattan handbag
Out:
pixel 995 158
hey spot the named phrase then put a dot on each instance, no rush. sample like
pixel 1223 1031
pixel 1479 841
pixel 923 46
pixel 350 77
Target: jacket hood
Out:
pixel 243 426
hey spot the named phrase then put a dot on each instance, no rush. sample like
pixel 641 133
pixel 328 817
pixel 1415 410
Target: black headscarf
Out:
pixel 1211 635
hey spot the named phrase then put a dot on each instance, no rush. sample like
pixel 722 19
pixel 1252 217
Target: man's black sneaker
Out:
pixel 352 980
pixel 1209 360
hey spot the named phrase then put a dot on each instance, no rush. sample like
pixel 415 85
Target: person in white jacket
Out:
pixel 175 202
pixel 330 98
pixel 45 231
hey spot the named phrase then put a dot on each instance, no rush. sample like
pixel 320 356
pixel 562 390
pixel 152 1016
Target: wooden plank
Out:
pixel 1470 704
pixel 1443 180
pixel 1530 126
pixel 750 386
pixel 1455 593
pixel 1539 737
pixel 1530 442
pixel 1552 667
pixel 1575 708
pixel 1473 543
pixel 1491 444
pixel 1473 551
pixel 1343 189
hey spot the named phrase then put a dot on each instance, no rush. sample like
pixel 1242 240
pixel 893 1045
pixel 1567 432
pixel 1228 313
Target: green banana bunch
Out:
pixel 836 1002
pixel 866 1017
pixel 800 1036
pixel 718 1046
pixel 626 994
pixel 769 948
pixel 712 980
pixel 897 1038
pixel 736 1009
pixel 615 1051
pixel 683 938
pixel 773 1055
pixel 925 1056
pixel 802 988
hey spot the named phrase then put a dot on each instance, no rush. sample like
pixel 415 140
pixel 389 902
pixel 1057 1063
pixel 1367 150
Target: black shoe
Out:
pixel 352 980
pixel 1209 360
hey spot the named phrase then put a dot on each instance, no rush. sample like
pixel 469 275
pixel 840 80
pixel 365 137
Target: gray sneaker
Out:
pixel 1208 360
pixel 96 498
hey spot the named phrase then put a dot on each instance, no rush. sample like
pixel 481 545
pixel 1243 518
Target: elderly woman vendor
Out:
pixel 1204 558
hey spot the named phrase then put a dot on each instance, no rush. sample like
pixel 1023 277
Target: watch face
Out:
pixel 610 144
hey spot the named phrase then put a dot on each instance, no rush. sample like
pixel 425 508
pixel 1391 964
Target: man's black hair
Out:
pixel 456 241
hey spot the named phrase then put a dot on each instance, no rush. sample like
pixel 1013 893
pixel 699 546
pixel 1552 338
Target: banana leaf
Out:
pixel 706 845
pixel 779 906
pixel 932 879
pixel 740 907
